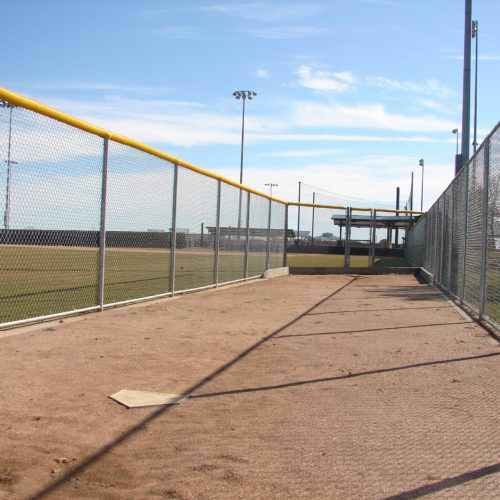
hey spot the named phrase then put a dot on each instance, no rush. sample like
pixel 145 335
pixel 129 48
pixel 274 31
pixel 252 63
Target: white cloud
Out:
pixel 265 11
pixel 313 114
pixel 368 177
pixel 284 32
pixel 434 105
pixel 102 86
pixel 302 153
pixel 263 73
pixel 325 80
pixel 340 138
pixel 430 86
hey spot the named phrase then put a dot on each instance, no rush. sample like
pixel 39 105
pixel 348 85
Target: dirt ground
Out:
pixel 301 387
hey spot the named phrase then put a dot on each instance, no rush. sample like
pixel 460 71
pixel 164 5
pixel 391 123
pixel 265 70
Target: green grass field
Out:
pixel 38 281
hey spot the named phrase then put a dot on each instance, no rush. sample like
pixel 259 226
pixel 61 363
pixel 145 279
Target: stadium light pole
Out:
pixel 475 34
pixel 243 95
pixel 10 162
pixel 466 88
pixel 421 163
pixel 271 185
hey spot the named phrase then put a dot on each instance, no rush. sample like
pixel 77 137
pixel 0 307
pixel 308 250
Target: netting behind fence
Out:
pixel 458 241
pixel 89 220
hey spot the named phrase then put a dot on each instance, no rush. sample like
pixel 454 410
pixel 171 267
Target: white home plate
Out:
pixel 138 399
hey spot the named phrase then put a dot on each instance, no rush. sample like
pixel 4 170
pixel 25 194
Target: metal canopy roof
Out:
pixel 387 221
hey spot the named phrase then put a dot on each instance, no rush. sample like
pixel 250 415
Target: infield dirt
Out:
pixel 310 387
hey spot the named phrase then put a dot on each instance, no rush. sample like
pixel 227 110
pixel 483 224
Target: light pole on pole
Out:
pixel 421 163
pixel 10 162
pixel 271 185
pixel 455 132
pixel 243 95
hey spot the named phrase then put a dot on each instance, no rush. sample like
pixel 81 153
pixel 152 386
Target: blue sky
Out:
pixel 351 93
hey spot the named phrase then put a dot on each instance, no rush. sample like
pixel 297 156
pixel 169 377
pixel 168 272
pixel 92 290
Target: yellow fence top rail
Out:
pixel 43 109
pixel 25 102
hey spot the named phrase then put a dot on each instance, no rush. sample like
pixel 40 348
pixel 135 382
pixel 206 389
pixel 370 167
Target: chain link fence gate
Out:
pixel 458 240
pixel 91 219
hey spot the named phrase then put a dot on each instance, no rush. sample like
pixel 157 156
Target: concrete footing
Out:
pixel 354 270
pixel 274 273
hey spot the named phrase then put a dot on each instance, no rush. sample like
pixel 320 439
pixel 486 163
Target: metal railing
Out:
pixel 92 219
pixel 458 241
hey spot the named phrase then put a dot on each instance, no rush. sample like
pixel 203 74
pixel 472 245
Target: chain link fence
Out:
pixel 90 219
pixel 458 241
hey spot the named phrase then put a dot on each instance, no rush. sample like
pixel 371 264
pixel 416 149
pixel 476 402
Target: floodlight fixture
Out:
pixel 243 95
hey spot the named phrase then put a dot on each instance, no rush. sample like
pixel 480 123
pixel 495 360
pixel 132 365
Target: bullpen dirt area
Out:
pixel 301 387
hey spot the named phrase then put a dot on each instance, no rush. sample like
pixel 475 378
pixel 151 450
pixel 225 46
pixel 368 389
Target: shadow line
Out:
pixel 380 310
pixel 164 409
pixel 341 377
pixel 372 329
pixel 446 483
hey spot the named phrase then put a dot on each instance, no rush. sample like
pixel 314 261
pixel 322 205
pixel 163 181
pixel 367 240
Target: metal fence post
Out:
pixel 441 242
pixel 466 216
pixel 452 236
pixel 268 246
pixel 102 229
pixel 247 237
pixel 285 236
pixel 347 245
pixel 173 231
pixel 484 219
pixel 217 233
pixel 373 237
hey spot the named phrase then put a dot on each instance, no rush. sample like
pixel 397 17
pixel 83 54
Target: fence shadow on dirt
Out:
pixel 444 484
pixel 342 377
pixel 104 450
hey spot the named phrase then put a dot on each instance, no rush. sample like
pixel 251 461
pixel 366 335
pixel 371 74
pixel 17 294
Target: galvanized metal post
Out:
pixel 268 246
pixel 298 216
pixel 441 242
pixel 373 236
pixel 451 232
pixel 347 239
pixel 466 214
pixel 102 229
pixel 484 219
pixel 312 224
pixel 247 238
pixel 285 236
pixel 217 235
pixel 173 232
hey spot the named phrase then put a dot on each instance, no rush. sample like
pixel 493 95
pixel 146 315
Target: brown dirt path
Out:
pixel 310 387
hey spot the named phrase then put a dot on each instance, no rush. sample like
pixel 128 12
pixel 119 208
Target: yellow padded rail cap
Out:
pixel 25 102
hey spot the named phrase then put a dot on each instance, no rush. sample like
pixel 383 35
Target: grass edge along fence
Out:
pixel 52 273
pixel 458 240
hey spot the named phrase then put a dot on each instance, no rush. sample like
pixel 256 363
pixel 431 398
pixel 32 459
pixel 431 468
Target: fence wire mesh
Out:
pixel 460 245
pixel 87 222
pixel 51 186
